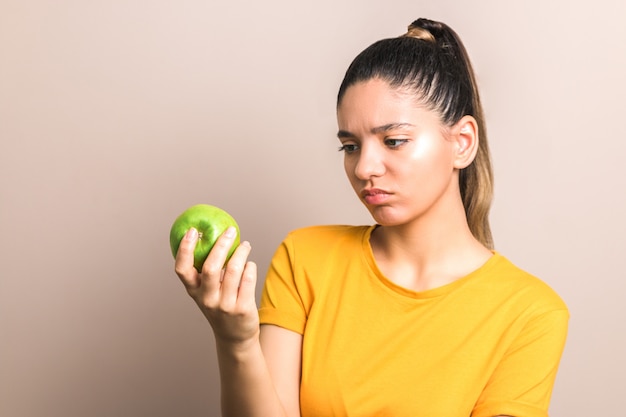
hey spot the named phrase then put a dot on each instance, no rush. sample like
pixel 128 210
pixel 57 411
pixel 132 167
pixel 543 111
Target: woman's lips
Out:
pixel 375 196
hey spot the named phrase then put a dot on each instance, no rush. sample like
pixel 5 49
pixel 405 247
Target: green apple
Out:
pixel 210 222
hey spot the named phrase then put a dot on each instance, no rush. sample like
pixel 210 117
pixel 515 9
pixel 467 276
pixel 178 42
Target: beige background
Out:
pixel 116 115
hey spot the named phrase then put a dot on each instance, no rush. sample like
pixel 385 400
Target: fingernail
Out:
pixel 230 232
pixel 246 244
pixel 192 234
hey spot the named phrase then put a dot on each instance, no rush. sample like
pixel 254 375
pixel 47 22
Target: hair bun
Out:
pixel 435 32
pixel 419 33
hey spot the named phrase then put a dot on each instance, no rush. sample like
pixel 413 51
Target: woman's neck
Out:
pixel 426 254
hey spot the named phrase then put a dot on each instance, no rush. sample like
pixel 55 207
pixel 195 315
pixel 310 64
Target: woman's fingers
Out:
pixel 184 260
pixel 233 275
pixel 225 292
pixel 213 268
pixel 247 286
pixel 218 286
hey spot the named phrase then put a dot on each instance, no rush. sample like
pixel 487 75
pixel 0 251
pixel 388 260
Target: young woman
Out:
pixel 415 315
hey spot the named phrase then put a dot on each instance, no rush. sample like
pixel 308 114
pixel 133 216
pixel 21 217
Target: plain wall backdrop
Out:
pixel 117 115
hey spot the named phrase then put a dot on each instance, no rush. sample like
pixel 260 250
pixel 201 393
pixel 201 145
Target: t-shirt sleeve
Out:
pixel 283 301
pixel 521 385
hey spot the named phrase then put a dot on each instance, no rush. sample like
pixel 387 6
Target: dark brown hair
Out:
pixel 431 62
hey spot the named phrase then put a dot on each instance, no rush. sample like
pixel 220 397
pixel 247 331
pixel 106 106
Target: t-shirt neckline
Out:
pixel 406 292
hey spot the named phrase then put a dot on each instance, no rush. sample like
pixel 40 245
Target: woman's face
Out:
pixel 397 154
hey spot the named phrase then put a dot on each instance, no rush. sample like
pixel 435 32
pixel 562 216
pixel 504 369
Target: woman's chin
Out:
pixel 387 219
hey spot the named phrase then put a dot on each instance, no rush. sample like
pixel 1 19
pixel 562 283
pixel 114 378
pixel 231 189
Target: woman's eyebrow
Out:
pixel 379 129
pixel 390 126
pixel 344 134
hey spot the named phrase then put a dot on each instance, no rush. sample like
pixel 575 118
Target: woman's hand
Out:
pixel 224 293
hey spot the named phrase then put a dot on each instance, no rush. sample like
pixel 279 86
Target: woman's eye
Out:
pixel 395 143
pixel 348 148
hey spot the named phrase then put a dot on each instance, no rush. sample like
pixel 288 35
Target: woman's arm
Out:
pixel 521 384
pixel 282 349
pixel 226 296
pixel 253 380
pixel 262 379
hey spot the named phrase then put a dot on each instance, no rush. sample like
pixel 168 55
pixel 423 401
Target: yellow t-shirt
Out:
pixel 487 344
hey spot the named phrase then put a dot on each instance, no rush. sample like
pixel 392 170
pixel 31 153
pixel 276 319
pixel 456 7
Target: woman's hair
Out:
pixel 431 62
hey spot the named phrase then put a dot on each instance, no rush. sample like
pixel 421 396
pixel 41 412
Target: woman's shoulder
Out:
pixel 321 235
pixel 506 277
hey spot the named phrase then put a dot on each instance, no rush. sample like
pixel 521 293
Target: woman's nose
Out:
pixel 369 163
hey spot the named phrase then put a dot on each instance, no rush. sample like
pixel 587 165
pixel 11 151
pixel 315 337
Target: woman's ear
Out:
pixel 465 136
